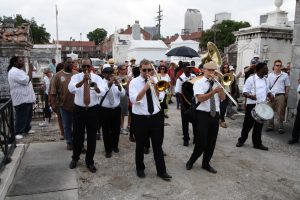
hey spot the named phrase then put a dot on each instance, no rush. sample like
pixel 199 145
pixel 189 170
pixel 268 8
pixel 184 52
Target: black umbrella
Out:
pixel 183 51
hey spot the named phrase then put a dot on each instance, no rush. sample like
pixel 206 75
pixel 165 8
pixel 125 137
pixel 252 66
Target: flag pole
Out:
pixel 56 43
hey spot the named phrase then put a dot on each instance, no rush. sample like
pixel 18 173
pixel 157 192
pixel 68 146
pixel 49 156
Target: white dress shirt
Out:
pixel 21 89
pixel 94 96
pixel 140 107
pixel 116 93
pixel 47 84
pixel 201 86
pixel 178 86
pixel 281 83
pixel 261 90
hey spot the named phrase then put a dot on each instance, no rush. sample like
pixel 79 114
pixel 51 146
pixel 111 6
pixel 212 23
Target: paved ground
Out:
pixel 243 173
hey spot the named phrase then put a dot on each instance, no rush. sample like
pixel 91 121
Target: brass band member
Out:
pixel 186 75
pixel 255 90
pixel 110 111
pixel 85 116
pixel 209 95
pixel 147 120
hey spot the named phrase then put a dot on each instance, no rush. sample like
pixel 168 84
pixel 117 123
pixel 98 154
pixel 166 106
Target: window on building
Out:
pixel 67 48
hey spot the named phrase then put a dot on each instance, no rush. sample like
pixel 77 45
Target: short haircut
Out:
pixel 193 63
pixel 260 65
pixel 277 61
pixel 144 62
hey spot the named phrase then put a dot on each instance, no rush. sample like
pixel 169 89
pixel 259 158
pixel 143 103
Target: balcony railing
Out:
pixel 7 135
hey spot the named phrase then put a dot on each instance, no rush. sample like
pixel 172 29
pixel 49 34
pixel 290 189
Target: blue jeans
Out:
pixel 67 118
pixel 23 118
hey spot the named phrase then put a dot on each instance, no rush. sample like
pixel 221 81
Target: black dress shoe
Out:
pixel 189 165
pixel 146 150
pixel 92 168
pixel 164 154
pixel 261 147
pixel 293 141
pixel 107 155
pixel 72 164
pixel 185 143
pixel 210 169
pixel 131 139
pixel 140 173
pixel 165 176
pixel 116 150
pixel 239 144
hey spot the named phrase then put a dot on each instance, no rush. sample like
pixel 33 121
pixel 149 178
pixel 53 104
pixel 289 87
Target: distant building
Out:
pixel 106 47
pixel 153 31
pixel 195 36
pixel 84 49
pixel 219 17
pixel 192 21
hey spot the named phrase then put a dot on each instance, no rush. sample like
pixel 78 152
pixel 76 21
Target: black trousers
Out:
pixel 111 121
pixel 296 128
pixel 185 125
pixel 149 127
pixel 249 122
pixel 223 108
pixel 85 119
pixel 206 137
pixel 147 142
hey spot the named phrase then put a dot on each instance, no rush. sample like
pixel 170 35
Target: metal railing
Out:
pixel 7 135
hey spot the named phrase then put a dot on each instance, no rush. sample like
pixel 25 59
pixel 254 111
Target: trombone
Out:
pixel 152 89
pixel 161 85
pixel 220 75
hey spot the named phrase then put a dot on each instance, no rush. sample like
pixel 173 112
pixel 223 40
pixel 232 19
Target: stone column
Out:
pixel 295 68
pixel 7 50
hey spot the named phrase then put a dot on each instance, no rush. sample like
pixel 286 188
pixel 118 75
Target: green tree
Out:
pixel 39 33
pixel 97 35
pixel 224 33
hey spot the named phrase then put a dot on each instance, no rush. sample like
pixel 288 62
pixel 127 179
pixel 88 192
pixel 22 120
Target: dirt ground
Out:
pixel 243 173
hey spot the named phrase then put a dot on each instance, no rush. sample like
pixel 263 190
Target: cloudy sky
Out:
pixel 83 16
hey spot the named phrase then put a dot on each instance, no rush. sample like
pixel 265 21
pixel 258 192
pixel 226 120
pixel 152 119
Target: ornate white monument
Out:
pixel 270 41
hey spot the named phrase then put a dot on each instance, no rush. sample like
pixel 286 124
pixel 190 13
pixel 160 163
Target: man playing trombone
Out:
pixel 147 120
pixel 208 94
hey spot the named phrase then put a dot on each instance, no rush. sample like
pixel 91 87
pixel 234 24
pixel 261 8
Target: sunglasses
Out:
pixel 83 66
pixel 278 65
pixel 123 69
pixel 149 70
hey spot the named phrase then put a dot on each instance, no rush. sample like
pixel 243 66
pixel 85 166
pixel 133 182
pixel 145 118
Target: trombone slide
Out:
pixel 227 93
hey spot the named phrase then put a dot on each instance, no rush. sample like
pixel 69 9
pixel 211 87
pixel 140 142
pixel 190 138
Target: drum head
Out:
pixel 264 111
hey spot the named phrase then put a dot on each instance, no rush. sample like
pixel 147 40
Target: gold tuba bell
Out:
pixel 212 54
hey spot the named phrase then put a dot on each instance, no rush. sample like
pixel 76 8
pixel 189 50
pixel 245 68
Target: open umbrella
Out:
pixel 183 51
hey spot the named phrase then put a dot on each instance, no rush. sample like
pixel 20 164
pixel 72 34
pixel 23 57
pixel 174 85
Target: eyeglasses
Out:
pixel 149 70
pixel 123 69
pixel 278 65
pixel 83 66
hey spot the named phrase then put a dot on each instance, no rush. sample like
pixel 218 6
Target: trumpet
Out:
pixel 92 84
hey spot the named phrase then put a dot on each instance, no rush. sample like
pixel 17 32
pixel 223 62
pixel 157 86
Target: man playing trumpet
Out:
pixel 85 116
pixel 110 111
pixel 209 94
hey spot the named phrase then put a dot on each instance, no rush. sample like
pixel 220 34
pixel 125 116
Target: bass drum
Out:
pixel 262 112
pixel 187 89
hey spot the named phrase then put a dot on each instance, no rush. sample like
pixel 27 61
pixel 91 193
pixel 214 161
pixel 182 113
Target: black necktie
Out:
pixel 149 100
pixel 212 101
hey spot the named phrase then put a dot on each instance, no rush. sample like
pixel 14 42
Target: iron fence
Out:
pixel 7 134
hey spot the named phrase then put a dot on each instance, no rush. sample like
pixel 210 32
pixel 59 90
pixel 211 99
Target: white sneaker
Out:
pixel 43 124
pixel 123 131
pixel 31 132
pixel 18 137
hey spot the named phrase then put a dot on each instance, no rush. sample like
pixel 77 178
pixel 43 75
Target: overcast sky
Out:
pixel 83 16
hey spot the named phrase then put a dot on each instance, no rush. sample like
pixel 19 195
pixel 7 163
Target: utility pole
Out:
pixel 215 31
pixel 81 46
pixel 56 43
pixel 159 18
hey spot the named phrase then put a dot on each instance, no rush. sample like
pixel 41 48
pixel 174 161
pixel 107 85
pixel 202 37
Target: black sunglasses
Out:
pixel 83 66
pixel 149 70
